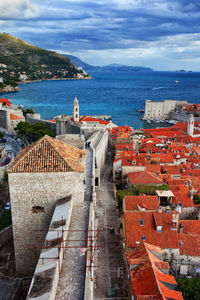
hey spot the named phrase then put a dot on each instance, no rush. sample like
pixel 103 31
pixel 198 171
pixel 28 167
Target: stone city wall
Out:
pixel 4 118
pixel 89 277
pixel 160 110
pixel 46 276
pixel 29 190
pixel 33 119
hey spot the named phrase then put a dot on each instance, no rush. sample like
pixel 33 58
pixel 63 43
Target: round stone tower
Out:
pixel 190 125
pixel 76 110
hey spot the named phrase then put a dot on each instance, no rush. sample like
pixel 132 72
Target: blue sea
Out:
pixel 119 94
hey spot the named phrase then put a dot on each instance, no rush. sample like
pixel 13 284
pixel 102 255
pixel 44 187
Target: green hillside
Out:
pixel 20 61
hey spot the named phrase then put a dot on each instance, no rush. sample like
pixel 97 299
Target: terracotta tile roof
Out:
pixel 134 230
pixel 143 177
pixel 89 120
pixel 148 202
pixel 190 226
pixel 138 160
pixel 48 155
pixel 181 195
pixel 153 168
pixel 124 146
pixel 15 117
pixel 6 101
pixel 189 244
pixel 174 170
pixel 148 281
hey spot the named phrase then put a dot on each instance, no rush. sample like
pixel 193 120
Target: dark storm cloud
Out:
pixel 76 25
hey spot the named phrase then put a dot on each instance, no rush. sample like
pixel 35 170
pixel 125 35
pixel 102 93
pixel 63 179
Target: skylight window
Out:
pixel 141 222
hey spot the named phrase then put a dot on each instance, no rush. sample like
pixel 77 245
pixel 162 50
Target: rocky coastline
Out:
pixel 12 89
pixel 9 89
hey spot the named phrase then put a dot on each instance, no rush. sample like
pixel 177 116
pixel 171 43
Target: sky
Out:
pixel 161 34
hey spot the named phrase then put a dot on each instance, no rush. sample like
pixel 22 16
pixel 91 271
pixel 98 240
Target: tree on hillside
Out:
pixel 33 132
pixel 27 111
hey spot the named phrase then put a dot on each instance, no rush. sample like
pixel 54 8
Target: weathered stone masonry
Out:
pixel 28 190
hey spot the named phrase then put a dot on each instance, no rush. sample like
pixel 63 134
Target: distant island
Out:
pixel 113 67
pixel 22 62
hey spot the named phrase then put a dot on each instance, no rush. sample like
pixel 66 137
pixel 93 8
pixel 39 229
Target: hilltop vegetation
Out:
pixel 20 61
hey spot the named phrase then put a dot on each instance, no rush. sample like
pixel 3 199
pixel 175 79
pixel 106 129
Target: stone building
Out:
pixel 10 115
pixel 45 172
pixel 160 110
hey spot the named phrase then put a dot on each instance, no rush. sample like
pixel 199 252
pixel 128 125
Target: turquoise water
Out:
pixel 117 94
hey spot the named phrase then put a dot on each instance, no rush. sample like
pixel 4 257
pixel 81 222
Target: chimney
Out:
pixel 181 228
pixel 174 223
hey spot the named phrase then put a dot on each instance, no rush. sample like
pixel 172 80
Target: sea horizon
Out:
pixel 118 94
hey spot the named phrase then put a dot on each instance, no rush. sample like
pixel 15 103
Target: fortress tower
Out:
pixel 52 171
pixel 190 125
pixel 76 110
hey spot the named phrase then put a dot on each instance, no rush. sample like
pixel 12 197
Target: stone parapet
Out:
pixel 45 279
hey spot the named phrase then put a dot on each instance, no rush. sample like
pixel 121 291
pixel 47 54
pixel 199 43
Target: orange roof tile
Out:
pixel 190 226
pixel 143 177
pixel 148 202
pixel 148 281
pixel 90 119
pixel 189 244
pixel 153 168
pixel 6 101
pixel 134 230
pixel 48 155
pixel 15 117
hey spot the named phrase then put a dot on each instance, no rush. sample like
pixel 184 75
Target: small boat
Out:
pixel 176 81
pixel 148 121
pixel 140 110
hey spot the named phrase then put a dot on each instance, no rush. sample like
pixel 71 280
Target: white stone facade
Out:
pixel 160 110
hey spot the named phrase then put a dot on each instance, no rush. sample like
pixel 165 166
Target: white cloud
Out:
pixel 18 9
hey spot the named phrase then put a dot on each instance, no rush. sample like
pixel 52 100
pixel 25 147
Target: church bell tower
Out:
pixel 76 110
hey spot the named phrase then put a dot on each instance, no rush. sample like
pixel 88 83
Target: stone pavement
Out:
pixel 89 162
pixel 111 273
pixel 71 283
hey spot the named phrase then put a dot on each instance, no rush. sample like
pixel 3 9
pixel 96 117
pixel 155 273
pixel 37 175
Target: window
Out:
pixel 37 209
pixel 133 162
pixel 141 222
pixel 143 237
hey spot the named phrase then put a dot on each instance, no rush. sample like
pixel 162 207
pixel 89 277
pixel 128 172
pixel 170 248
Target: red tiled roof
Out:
pixel 48 155
pixel 153 168
pixel 134 231
pixel 6 101
pixel 189 244
pixel 148 202
pixel 190 226
pixel 138 160
pixel 143 177
pixel 90 119
pixel 124 146
pixel 15 117
pixel 148 281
